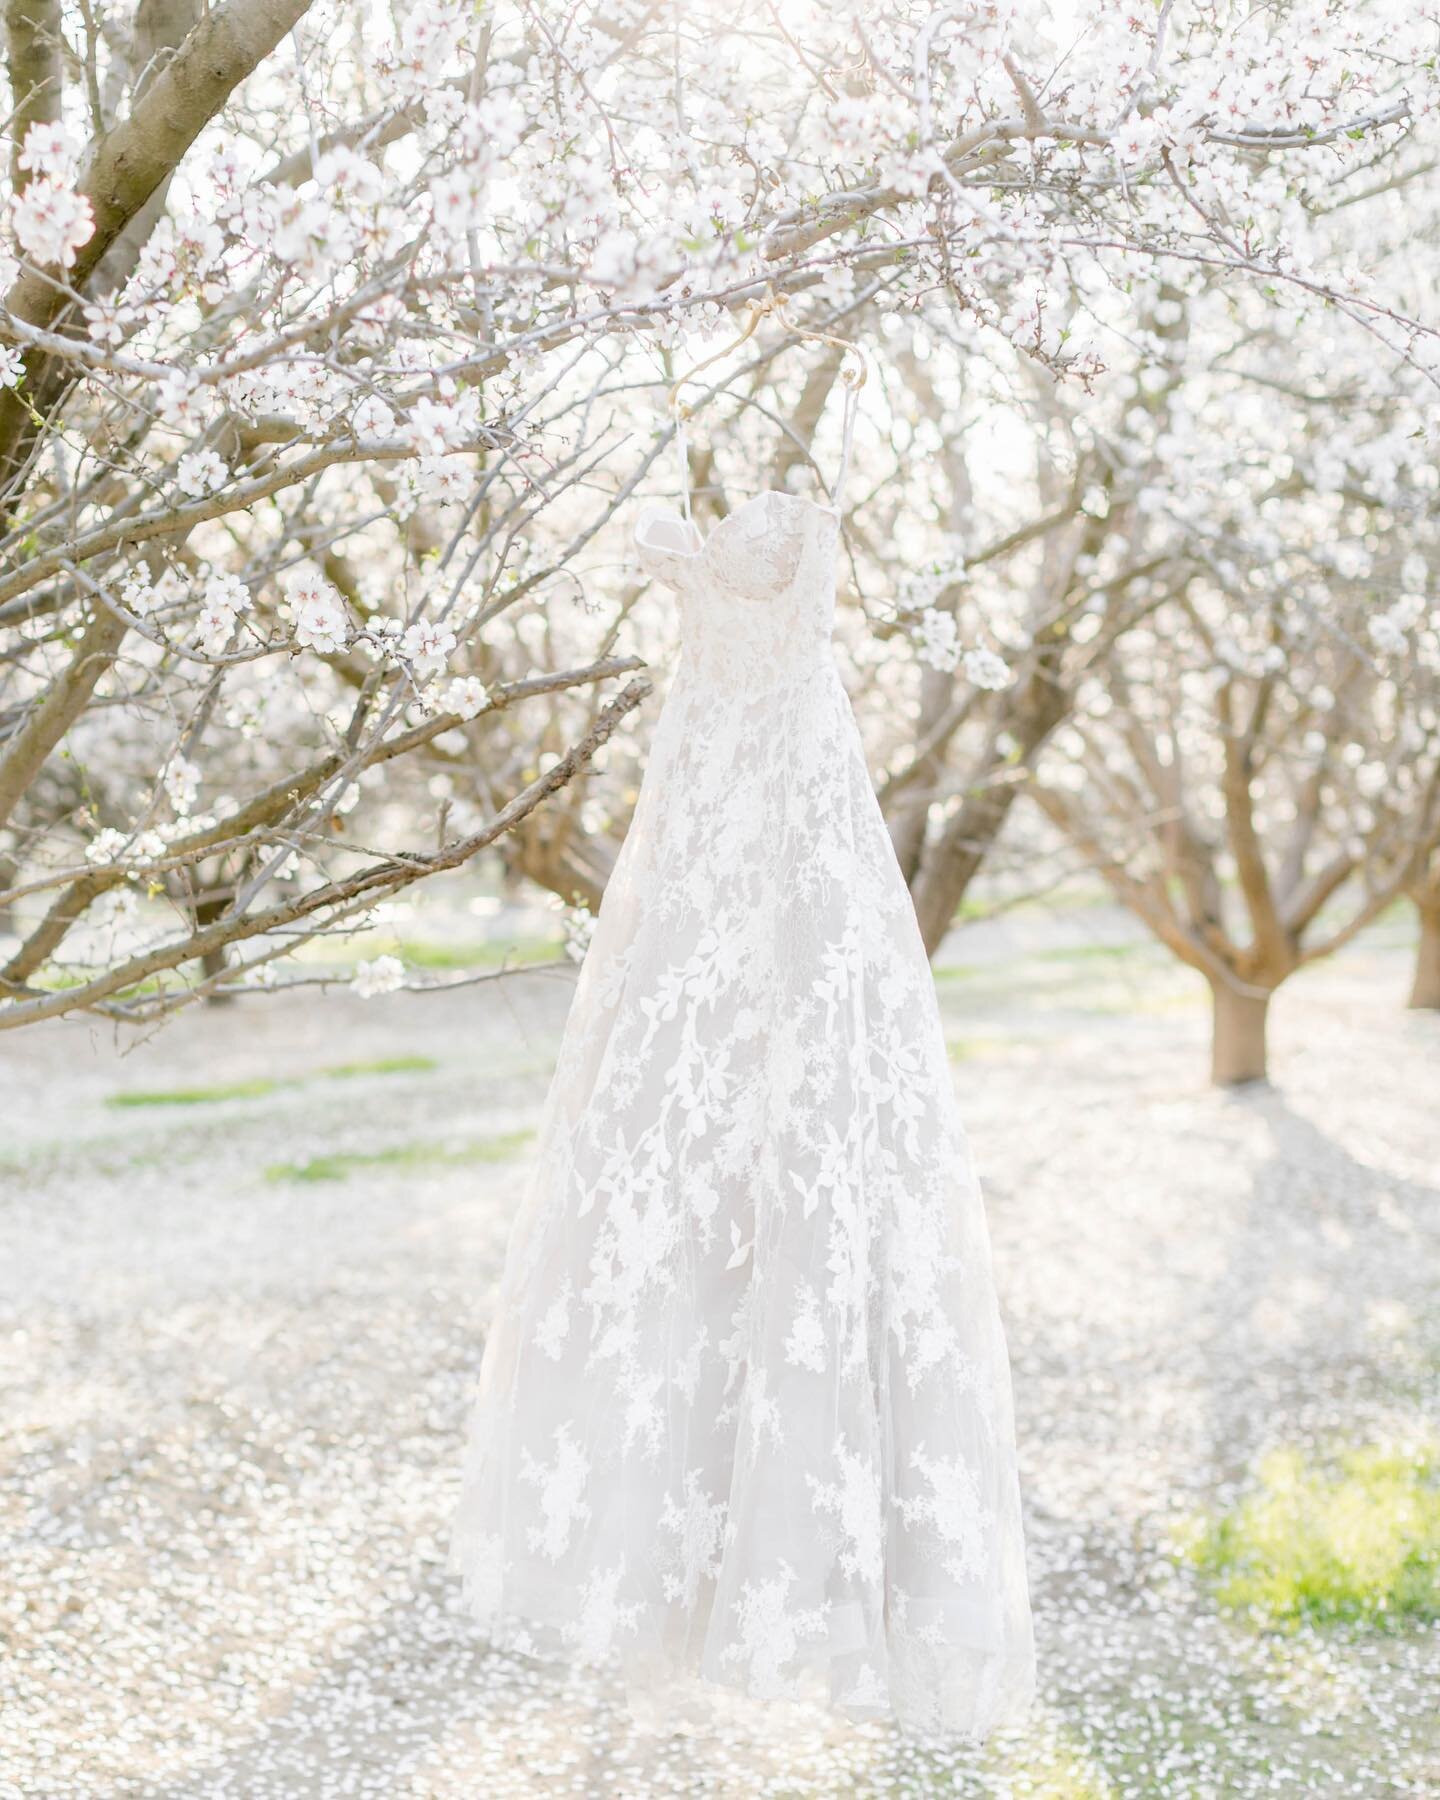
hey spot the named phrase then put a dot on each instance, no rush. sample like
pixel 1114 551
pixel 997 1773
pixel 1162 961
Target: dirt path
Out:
pixel 238 1333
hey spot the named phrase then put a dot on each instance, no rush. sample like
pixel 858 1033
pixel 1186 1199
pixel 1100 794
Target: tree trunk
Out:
pixel 1426 991
pixel 1237 1046
pixel 950 864
pixel 33 50
pixel 215 960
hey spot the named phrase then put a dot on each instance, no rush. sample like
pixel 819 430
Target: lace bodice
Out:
pixel 757 596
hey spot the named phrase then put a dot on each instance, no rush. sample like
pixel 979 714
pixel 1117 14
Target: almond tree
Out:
pixel 327 364
pixel 1257 776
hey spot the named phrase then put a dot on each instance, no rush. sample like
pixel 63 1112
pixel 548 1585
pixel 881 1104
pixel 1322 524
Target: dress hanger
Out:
pixel 852 374
pixel 853 370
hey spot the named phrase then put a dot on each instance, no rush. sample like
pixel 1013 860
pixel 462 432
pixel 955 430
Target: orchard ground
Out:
pixel 245 1272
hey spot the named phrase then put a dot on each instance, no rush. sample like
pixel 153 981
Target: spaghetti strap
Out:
pixel 852 402
pixel 683 449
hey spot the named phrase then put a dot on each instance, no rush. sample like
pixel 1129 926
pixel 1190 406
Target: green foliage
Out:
pixel 1352 1538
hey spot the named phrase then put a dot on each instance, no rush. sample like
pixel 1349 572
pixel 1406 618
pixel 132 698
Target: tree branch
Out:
pixel 124 170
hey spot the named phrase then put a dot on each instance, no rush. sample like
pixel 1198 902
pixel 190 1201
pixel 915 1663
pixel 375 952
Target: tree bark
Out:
pixel 32 48
pixel 161 26
pixel 1237 1045
pixel 949 865
pixel 1426 989
pixel 214 961
pixel 66 699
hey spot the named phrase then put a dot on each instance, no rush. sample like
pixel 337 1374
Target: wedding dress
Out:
pixel 744 1414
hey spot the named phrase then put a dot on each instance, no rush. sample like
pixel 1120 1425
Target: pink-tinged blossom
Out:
pixel 321 621
pixel 184 405
pixel 372 418
pixel 12 366
pixel 466 695
pixel 457 200
pixel 434 426
pixel 105 323
pixel 225 598
pixel 214 625
pixel 52 222
pixel 1137 142
pixel 433 31
pixel 426 644
pixel 49 149
pixel 352 179
pixel 199 473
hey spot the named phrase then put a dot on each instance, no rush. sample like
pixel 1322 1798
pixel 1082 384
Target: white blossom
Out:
pixel 579 929
pixel 52 221
pixel 372 418
pixel 106 322
pixel 137 594
pixel 434 426
pixel 985 669
pixel 382 975
pixel 49 149
pixel 1137 141
pixel 427 644
pixel 106 846
pixel 185 405
pixel 938 638
pixel 321 621
pixel 199 473
pixel 225 598
pixel 227 590
pixel 466 695
pixel 349 177
pixel 181 782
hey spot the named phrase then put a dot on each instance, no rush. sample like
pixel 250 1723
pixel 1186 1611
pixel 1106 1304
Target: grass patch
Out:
pixel 975 1049
pixel 425 953
pixel 338 1165
pixel 272 1084
pixel 1089 952
pixel 957 971
pixel 199 1096
pixel 380 1065
pixel 1352 1538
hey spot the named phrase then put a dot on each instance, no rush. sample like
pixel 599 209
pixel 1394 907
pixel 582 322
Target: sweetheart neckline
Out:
pixel 831 512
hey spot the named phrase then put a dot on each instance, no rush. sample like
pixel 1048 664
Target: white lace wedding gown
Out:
pixel 744 1413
